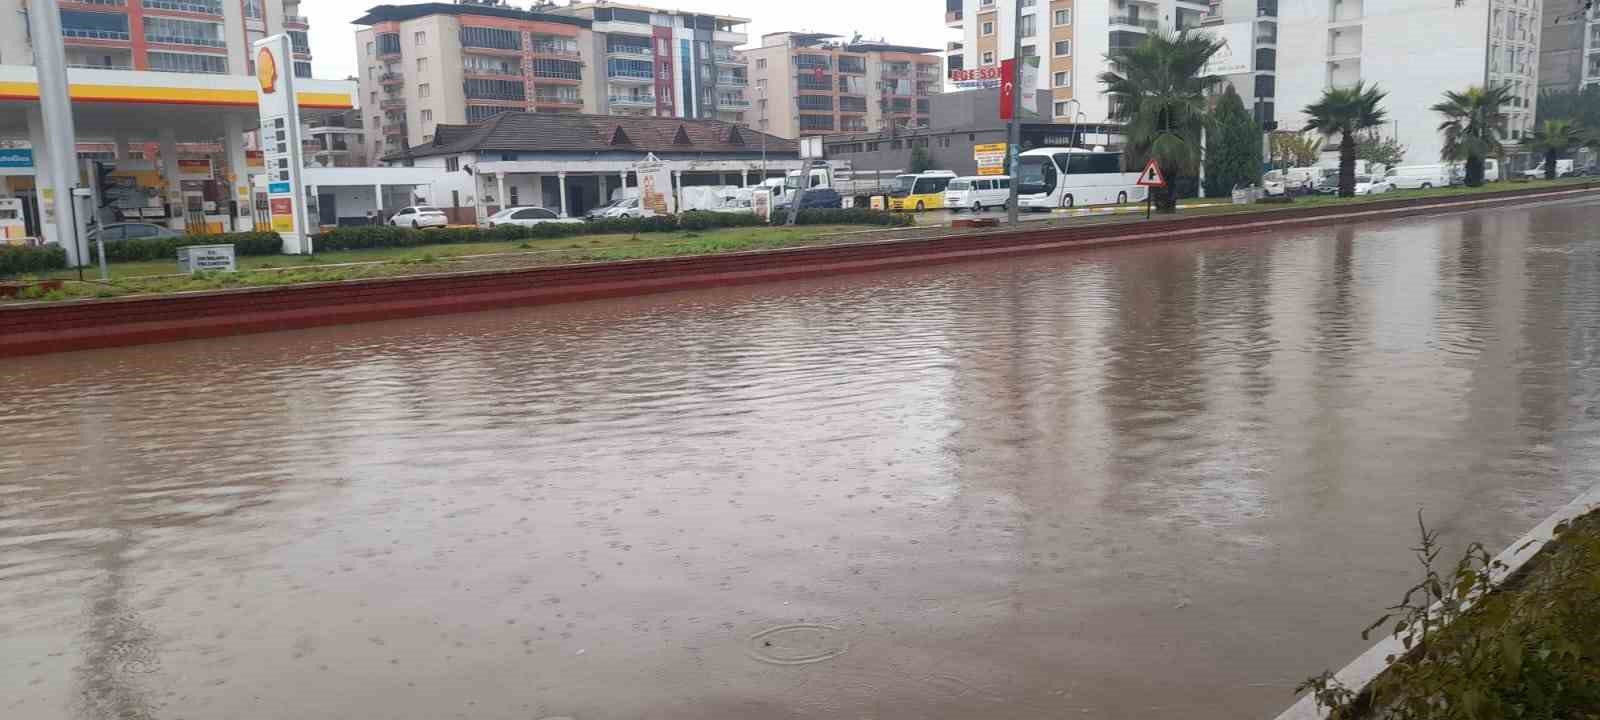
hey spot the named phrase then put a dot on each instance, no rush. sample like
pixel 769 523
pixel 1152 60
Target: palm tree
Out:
pixel 1160 95
pixel 1472 127
pixel 1555 138
pixel 1347 111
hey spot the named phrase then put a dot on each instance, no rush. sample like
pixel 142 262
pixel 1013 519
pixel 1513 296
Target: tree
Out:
pixel 1347 112
pixel 1233 147
pixel 1554 138
pixel 1581 106
pixel 1292 149
pixel 920 162
pixel 1472 127
pixel 1159 94
pixel 1374 148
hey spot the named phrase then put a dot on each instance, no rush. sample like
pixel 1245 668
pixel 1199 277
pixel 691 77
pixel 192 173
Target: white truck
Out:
pixel 855 187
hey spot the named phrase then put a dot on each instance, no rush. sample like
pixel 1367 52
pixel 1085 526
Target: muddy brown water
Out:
pixel 1160 482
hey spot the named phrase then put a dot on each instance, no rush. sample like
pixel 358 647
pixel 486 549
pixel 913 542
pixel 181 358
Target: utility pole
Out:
pixel 1014 127
pixel 60 135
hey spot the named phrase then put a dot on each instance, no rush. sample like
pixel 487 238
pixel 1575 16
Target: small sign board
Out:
pixel 991 158
pixel 1152 177
pixel 761 203
pixel 210 258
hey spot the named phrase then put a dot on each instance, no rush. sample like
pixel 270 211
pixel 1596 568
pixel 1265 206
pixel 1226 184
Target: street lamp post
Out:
pixel 1014 127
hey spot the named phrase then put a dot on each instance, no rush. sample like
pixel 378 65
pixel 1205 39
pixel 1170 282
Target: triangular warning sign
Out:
pixel 1152 177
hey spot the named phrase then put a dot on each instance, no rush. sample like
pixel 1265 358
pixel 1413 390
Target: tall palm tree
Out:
pixel 1555 138
pixel 1472 127
pixel 1347 111
pixel 1160 95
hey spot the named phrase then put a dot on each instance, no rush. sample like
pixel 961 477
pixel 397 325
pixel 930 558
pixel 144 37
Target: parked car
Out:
pixel 1491 171
pixel 1292 181
pixel 1368 185
pixel 1563 169
pixel 1415 177
pixel 419 217
pixel 817 199
pixel 525 217
pixel 620 208
pixel 977 192
pixel 115 232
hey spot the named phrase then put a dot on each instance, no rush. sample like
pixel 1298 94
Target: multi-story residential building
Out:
pixel 1413 49
pixel 1070 39
pixel 187 36
pixel 812 84
pixel 434 64
pixel 664 63
pixel 437 63
pixel 337 140
pixel 1569 52
pixel 1257 25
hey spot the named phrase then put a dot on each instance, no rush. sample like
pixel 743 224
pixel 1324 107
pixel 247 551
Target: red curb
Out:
pixel 87 324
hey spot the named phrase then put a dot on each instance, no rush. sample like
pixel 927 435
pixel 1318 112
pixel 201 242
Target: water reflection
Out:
pixel 1162 482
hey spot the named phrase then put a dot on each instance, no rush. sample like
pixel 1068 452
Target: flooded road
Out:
pixel 1157 482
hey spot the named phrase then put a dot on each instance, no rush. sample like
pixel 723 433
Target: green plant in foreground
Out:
pixel 1527 650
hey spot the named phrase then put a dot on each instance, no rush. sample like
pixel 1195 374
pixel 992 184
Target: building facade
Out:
pixel 1569 47
pixel 182 36
pixel 809 84
pixel 1070 39
pixel 664 63
pixel 1415 50
pixel 337 140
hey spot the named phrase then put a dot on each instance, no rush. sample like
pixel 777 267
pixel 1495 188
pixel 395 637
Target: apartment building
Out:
pixel 1569 47
pixel 337 140
pixel 1413 49
pixel 1070 38
pixel 664 63
pixel 187 36
pixel 1252 26
pixel 814 84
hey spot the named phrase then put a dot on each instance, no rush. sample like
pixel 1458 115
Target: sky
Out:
pixel 906 22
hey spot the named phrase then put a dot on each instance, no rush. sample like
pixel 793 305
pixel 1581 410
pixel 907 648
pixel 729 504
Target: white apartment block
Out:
pixel 186 36
pixel 817 84
pixel 1071 39
pixel 1413 49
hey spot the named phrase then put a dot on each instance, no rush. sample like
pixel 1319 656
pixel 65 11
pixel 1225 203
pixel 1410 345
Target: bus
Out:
pixel 920 191
pixel 1056 177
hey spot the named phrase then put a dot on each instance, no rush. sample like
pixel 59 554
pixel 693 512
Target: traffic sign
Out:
pixel 1152 177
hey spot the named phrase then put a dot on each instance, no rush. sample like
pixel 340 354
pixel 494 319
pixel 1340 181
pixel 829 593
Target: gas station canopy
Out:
pixel 106 103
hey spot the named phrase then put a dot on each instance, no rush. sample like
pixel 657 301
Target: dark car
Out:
pixel 818 199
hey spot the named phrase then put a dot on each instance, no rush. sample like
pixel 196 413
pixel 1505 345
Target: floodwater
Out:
pixel 1156 482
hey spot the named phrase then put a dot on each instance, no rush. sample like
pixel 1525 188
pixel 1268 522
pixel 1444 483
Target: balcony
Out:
pixel 188 6
pixel 556 51
pixel 492 73
pixel 953 19
pixel 726 103
pixel 724 55
pixel 730 37
pixel 1267 8
pixel 391 79
pixel 636 52
pixel 74 33
pixel 398 128
pixel 1136 24
pixel 733 80
pixel 549 100
pixel 633 101
pixel 392 103
pixel 113 3
pixel 630 76
pixel 296 22
pixel 1266 34
pixel 87 66
pixel 186 40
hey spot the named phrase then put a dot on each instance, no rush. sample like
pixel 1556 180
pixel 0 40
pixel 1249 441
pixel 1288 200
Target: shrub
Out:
pixel 360 238
pixel 143 249
pixel 846 216
pixel 21 260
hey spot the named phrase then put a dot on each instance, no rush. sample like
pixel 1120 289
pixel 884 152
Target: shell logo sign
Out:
pixel 267 71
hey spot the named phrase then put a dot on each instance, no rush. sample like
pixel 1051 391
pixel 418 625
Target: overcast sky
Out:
pixel 907 22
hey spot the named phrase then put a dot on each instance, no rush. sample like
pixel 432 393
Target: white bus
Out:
pixel 1066 177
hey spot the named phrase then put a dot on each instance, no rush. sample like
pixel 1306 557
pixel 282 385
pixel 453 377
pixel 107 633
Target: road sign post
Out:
pixel 1151 179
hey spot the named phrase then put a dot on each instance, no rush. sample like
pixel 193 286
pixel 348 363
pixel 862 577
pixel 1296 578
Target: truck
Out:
pixel 857 187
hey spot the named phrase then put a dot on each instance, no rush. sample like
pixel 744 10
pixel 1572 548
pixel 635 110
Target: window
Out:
pixel 1063 48
pixel 171 31
pixel 988 58
pixel 371 49
pixel 302 69
pixel 253 9
pixel 761 64
pixel 534 214
pixel 513 193
pixel 1062 109
pixel 184 62
pixel 1063 16
pixel 424 90
pixel 452 164
pixel 422 65
pixel 1063 79
pixel 1030 25
pixel 427 116
pixel 988 28
pixel 494 38
pixel 420 38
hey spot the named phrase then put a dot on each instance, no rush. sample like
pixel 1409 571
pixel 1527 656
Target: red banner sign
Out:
pixel 1008 87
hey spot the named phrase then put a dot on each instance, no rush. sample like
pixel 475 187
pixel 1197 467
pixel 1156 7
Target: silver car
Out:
pixel 117 232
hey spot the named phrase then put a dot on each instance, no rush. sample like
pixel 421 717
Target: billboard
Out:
pixel 1237 55
pixel 991 158
pixel 655 187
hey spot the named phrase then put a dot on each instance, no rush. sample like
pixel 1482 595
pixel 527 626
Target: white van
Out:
pixel 1415 177
pixel 977 192
pixel 1491 171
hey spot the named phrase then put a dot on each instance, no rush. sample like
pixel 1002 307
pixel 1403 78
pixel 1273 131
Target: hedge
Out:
pixel 22 260
pixel 361 238
pixel 166 248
